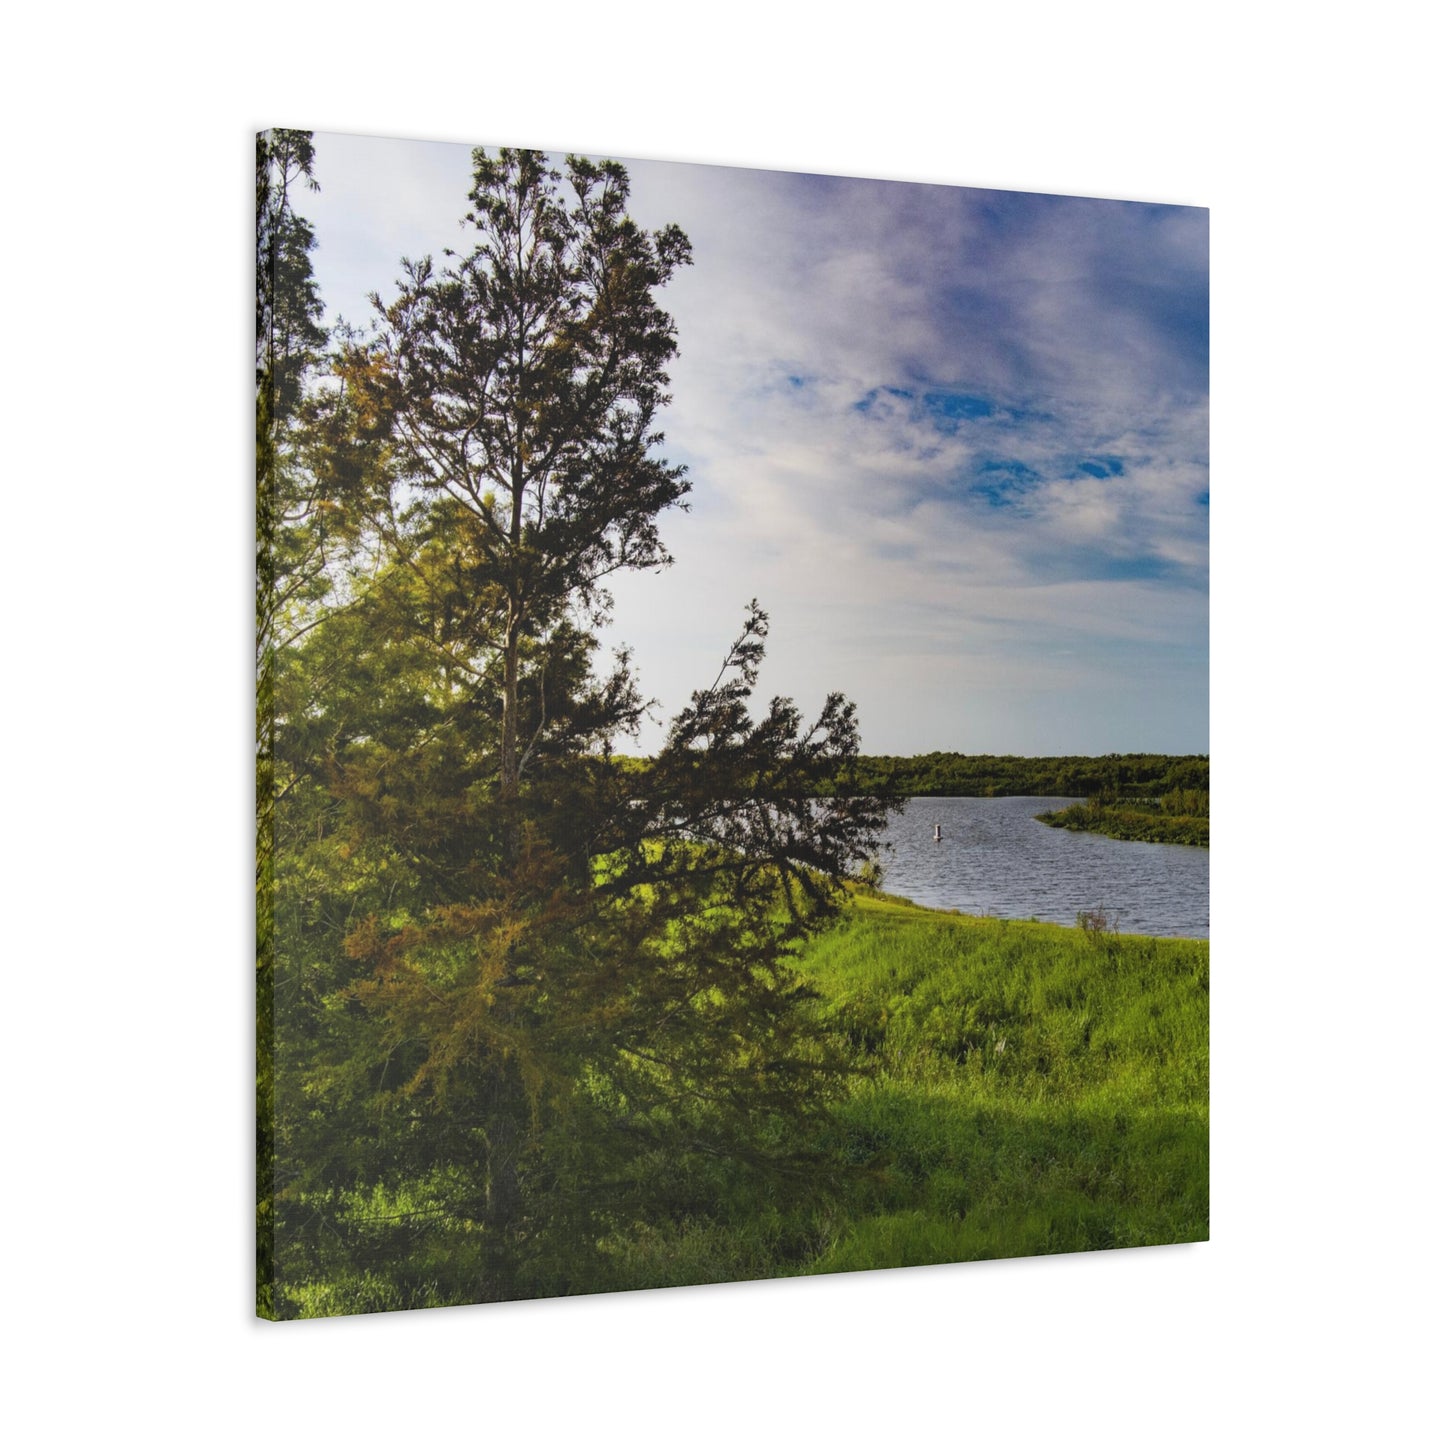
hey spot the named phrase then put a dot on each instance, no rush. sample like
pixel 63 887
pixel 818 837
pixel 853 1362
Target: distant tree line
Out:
pixel 959 775
pixel 1105 779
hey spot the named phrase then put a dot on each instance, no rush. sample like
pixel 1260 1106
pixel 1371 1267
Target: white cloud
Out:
pixel 955 619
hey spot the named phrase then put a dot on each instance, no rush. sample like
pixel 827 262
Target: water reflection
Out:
pixel 990 856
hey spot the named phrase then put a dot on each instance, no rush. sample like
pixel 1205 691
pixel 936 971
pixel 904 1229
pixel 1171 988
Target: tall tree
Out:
pixel 523 381
pixel 289 338
pixel 527 995
pixel 289 333
pixel 320 469
pixel 289 342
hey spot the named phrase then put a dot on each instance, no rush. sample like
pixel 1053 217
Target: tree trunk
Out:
pixel 506 1138
pixel 510 770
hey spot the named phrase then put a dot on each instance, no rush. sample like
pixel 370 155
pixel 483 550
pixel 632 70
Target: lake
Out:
pixel 995 858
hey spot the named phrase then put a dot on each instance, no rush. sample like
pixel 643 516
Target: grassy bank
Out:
pixel 1178 817
pixel 1023 1089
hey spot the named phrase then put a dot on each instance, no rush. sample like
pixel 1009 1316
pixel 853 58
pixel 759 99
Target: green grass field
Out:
pixel 1024 1089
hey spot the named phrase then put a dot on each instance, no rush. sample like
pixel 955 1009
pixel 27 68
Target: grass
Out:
pixel 1021 1088
pixel 1024 1089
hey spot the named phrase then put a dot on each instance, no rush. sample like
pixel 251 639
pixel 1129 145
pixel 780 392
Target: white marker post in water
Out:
pixel 938 832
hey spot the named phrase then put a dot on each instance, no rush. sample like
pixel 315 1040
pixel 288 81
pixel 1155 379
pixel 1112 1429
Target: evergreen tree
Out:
pixel 522 383
pixel 319 470
pixel 288 340
pixel 504 1061
pixel 525 997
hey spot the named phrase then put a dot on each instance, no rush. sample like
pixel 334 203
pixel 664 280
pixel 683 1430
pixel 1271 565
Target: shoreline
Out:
pixel 1106 928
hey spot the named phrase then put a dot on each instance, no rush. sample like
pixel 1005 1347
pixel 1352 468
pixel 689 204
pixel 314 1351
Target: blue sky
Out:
pixel 955 442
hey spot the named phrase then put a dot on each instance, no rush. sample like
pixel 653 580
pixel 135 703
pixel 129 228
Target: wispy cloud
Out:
pixel 955 441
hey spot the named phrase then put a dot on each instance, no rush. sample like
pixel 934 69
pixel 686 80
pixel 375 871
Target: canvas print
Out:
pixel 732 724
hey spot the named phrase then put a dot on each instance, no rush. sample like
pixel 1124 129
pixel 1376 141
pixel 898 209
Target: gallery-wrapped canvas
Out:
pixel 732 724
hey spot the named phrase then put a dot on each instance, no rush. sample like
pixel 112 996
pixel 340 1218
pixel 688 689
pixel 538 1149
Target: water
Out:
pixel 995 858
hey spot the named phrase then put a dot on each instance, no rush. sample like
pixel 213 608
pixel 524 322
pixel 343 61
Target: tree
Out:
pixel 288 341
pixel 526 995
pixel 289 338
pixel 289 334
pixel 522 384
pixel 518 1057
pixel 318 468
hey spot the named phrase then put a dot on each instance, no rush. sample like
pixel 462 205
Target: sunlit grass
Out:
pixel 1021 1088
pixel 1027 1089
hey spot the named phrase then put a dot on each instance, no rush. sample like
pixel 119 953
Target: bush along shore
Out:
pixel 1181 816
pixel 1021 1088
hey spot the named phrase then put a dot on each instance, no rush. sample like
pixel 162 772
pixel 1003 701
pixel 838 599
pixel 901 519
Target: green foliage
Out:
pixel 516 996
pixel 518 387
pixel 586 1035
pixel 958 775
pixel 288 338
pixel 1180 816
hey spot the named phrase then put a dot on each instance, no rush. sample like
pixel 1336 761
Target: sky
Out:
pixel 954 441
